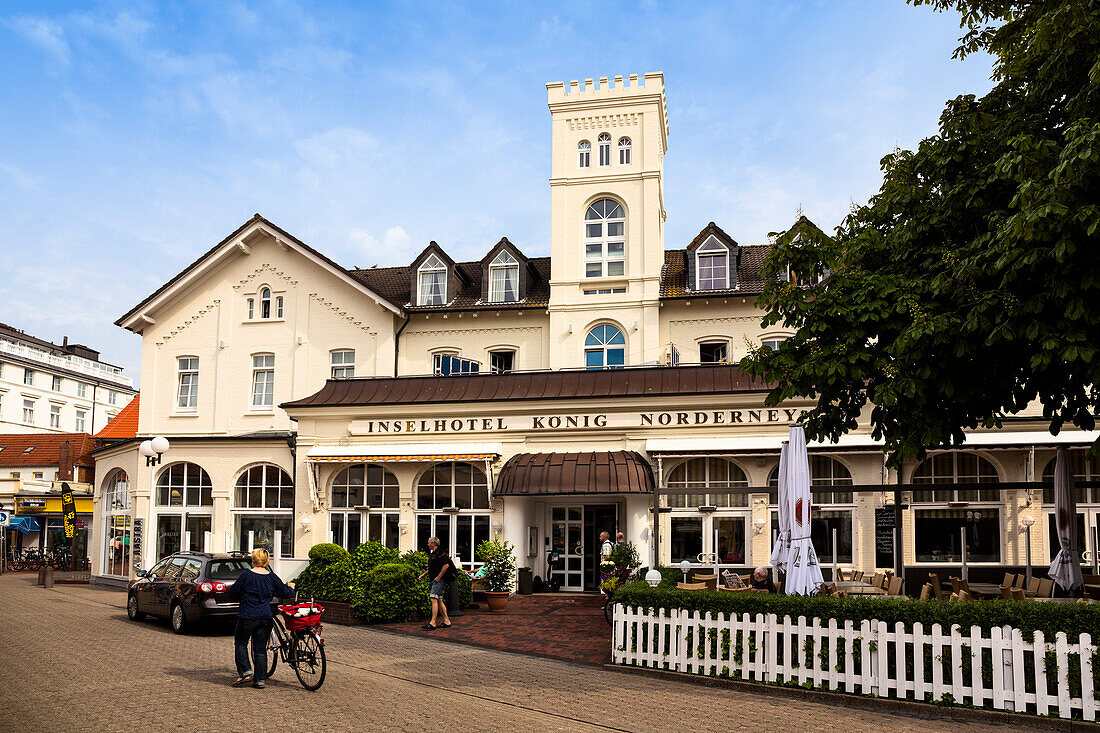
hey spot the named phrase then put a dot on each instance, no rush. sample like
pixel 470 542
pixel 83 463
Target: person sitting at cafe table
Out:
pixel 761 580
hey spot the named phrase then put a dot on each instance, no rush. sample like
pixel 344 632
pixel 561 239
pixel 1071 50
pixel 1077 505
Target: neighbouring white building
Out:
pixel 339 404
pixel 56 388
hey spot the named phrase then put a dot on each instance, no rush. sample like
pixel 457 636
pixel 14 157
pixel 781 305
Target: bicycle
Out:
pixel 296 639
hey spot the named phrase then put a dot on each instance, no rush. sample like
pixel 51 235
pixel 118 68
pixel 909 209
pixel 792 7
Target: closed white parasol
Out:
pixel 803 572
pixel 1066 568
pixel 778 558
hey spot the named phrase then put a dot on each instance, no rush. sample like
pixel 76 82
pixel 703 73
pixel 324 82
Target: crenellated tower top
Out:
pixel 578 95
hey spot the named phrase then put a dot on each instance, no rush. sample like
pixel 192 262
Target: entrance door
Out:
pixel 566 525
pixel 597 518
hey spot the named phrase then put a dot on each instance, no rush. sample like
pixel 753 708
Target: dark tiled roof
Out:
pixel 674 276
pixel 609 472
pixel 652 381
pixel 45 449
pixel 394 283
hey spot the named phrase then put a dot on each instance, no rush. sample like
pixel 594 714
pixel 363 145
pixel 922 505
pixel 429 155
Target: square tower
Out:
pixel 606 215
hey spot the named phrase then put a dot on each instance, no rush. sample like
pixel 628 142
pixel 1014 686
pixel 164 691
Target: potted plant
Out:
pixel 499 571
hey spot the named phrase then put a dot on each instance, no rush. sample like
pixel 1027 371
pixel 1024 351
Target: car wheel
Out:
pixel 179 620
pixel 132 608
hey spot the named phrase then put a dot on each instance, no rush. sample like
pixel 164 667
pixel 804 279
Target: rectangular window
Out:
pixel 687 539
pixel 55 384
pixel 713 272
pixel 55 416
pixel 714 352
pixel 81 389
pixel 263 380
pixel 504 284
pixel 433 287
pixel 937 535
pixel 624 155
pixel 251 309
pixel 38 475
pixel 187 391
pixel 437 361
pixel 343 364
pixel 279 307
pixel 501 362
pixel 28 412
pixel 28 377
pixel 605 291
pixel 112 397
pixel 15 474
pixel 81 419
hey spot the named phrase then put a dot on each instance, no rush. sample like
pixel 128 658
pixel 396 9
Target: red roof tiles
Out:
pixel 125 423
pixel 45 449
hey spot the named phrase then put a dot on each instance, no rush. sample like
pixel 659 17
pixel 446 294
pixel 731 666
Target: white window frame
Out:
pixel 493 352
pixel 28 377
pixel 437 357
pixel 263 382
pixel 603 144
pixel 81 420
pixel 584 154
pixel 433 266
pixel 503 267
pixel 715 342
pixel 710 250
pixel 265 304
pixel 55 416
pixel 28 412
pixel 115 509
pixel 604 347
pixel 624 151
pixel 187 383
pixel 251 309
pixel 773 342
pixel 279 307
pixel 342 363
pixel 81 389
pixel 55 383
pixel 597 249
pixel 112 397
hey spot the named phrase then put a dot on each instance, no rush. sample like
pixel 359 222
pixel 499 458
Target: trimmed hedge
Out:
pixel 327 553
pixel 1050 618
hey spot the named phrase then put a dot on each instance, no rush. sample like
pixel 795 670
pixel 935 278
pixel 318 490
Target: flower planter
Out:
pixel 498 600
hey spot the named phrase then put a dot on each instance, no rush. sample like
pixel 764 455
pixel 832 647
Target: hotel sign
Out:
pixel 564 422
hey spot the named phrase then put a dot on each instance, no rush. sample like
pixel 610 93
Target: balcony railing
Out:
pixel 72 363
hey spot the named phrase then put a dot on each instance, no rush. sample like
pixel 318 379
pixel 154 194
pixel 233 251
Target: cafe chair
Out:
pixel 1046 588
pixel 878 580
pixel 895 587
pixel 1010 578
pixel 937 589
pixel 841 575
pixel 1033 587
pixel 1019 581
pixel 1006 591
pixel 710 581
pixel 691 586
pixel 779 588
pixel 960 585
pixel 926 592
pixel 1018 594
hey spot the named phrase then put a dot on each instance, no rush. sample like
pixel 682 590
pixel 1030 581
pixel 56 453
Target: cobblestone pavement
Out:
pixel 72 661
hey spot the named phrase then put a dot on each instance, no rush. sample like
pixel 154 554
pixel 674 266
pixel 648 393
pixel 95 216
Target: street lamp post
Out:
pixel 154 451
pixel 1027 520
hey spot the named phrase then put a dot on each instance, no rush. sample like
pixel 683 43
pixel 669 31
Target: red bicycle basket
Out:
pixel 300 623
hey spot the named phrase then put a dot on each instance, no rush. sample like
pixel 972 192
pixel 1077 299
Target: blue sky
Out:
pixel 134 136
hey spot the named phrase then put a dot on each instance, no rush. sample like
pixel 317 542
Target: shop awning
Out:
pixel 25 524
pixel 408 452
pixel 607 472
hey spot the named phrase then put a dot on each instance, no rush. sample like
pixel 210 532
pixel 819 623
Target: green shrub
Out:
pixel 500 564
pixel 1050 618
pixel 370 555
pixel 392 593
pixel 327 553
pixel 338 581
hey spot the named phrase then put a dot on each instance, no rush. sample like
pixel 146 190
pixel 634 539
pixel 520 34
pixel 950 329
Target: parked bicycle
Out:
pixel 296 639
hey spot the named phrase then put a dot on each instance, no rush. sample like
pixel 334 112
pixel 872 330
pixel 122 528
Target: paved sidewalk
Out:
pixel 569 626
pixel 72 661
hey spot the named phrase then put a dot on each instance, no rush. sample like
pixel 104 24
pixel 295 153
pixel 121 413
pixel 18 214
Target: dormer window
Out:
pixel 432 282
pixel 504 279
pixel 604 143
pixel 712 265
pixel 584 154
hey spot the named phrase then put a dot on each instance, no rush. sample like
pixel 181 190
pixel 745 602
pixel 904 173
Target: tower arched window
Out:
pixel 604 144
pixel 504 278
pixel 432 277
pixel 624 151
pixel 604 246
pixel 584 154
pixel 604 347
pixel 265 303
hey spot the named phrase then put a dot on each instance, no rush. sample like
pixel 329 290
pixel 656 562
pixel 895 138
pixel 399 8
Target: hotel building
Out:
pixel 542 399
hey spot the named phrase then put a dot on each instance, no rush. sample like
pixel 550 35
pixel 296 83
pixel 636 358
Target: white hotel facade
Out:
pixel 302 396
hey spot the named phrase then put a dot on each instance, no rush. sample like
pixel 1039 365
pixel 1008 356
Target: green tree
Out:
pixel 968 287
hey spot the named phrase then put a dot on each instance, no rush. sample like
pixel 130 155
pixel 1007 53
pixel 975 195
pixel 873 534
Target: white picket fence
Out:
pixel 1000 669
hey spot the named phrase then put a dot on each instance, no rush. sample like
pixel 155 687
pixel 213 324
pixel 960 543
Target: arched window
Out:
pixel 584 154
pixel 604 144
pixel 115 504
pixel 370 487
pixel 710 476
pixel 432 277
pixel 824 471
pixel 265 303
pixel 624 151
pixel 826 519
pixel 1083 467
pixel 504 278
pixel 265 487
pixel 773 343
pixel 184 484
pixel 604 347
pixel 956 467
pixel 264 505
pixel 452 501
pixel 604 247
pixel 712 271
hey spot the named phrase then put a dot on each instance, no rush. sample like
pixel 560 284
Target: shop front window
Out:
pixel 822 524
pixel 364 497
pixel 115 503
pixel 183 485
pixel 264 503
pixel 947 469
pixel 710 476
pixel 462 489
pixel 938 535
pixel 258 530
pixel 686 539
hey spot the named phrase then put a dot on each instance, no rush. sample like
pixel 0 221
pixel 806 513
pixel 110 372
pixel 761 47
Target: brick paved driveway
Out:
pixel 70 660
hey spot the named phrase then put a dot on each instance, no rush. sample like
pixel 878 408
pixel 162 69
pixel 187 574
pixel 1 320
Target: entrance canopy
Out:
pixel 606 472
pixel 25 524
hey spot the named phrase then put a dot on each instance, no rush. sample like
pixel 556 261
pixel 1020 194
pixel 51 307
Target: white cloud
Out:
pixel 44 33
pixel 22 178
pixel 396 238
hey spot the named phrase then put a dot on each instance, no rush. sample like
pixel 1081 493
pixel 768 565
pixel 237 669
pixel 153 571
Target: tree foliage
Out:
pixel 968 287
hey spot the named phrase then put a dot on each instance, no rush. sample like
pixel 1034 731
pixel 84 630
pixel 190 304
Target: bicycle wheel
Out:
pixel 308 659
pixel 608 608
pixel 273 648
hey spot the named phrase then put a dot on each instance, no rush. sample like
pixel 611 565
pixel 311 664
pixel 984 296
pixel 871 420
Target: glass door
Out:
pixel 171 529
pixel 566 539
pixel 1088 518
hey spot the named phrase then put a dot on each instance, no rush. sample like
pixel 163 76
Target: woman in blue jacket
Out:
pixel 253 590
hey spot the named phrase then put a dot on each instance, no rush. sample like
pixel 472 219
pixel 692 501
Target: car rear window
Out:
pixel 227 569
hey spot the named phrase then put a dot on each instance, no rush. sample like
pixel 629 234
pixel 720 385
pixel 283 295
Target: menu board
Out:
pixel 884 537
pixel 135 542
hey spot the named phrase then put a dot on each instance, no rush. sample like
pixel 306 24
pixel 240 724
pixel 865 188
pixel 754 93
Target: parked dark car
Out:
pixel 187 588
